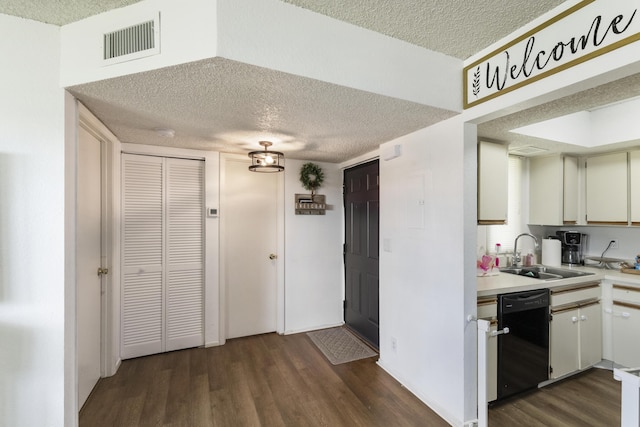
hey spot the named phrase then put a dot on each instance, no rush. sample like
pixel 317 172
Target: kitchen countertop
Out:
pixel 505 282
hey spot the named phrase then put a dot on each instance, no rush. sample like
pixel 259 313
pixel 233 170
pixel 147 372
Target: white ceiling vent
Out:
pixel 134 42
pixel 526 150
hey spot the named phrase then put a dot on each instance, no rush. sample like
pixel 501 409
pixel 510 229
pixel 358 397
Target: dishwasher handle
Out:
pixel 503 331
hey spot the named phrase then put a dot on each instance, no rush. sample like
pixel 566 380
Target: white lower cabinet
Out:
pixel 590 335
pixel 626 330
pixel 576 339
pixel 575 333
pixel 626 326
pixel 492 365
pixel 488 310
pixel 563 346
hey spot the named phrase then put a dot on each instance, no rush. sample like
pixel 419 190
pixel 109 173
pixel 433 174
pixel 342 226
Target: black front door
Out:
pixel 362 209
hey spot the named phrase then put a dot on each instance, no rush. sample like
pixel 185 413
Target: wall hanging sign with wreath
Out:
pixel 311 177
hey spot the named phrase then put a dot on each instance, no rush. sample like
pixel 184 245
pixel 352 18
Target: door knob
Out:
pixel 273 256
pixel 102 271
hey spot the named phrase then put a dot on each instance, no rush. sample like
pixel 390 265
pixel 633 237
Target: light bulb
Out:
pixel 268 160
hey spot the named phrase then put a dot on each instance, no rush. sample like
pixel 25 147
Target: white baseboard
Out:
pixel 113 369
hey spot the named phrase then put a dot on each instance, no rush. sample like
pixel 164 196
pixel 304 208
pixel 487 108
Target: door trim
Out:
pixel 91 124
pixel 280 293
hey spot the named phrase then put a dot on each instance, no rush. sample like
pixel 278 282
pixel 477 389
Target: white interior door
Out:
pixel 250 222
pixel 88 260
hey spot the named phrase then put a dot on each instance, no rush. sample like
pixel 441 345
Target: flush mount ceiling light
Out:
pixel 266 161
pixel 165 132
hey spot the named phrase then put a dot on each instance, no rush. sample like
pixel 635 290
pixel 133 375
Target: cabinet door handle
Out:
pixel 583 317
pixel 574 319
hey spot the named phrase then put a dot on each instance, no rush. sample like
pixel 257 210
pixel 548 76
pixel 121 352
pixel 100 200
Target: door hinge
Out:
pixel 550 317
pixel 550 369
pixel 102 271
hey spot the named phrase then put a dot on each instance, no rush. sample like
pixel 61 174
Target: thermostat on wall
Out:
pixel 212 212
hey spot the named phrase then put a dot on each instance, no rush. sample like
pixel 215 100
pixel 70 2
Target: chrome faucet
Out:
pixel 516 254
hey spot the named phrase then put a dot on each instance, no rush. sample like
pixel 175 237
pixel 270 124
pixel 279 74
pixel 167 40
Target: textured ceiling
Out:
pixel 458 28
pixel 607 94
pixel 439 25
pixel 304 117
pixel 236 105
pixel 60 12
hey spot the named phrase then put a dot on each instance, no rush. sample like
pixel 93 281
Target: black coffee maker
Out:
pixel 574 246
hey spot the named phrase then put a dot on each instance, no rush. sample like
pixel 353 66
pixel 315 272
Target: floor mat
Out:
pixel 340 346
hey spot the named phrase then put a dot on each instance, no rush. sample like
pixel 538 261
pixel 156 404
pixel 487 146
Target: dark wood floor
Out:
pixel 591 398
pixel 271 380
pixel 266 380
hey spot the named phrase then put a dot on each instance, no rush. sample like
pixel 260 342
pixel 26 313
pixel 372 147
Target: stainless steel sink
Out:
pixel 543 272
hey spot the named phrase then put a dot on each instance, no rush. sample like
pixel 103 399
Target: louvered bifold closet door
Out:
pixel 163 253
pixel 142 256
pixel 185 253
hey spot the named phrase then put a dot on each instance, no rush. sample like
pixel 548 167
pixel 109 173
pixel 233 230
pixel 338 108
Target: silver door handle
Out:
pixel 503 331
pixel 273 256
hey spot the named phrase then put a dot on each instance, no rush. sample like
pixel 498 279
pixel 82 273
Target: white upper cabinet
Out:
pixel 606 189
pixel 570 190
pixel 634 184
pixel 545 192
pixel 493 167
pixel 553 190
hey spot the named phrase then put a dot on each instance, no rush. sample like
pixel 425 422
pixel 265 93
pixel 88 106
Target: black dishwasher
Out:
pixel 523 352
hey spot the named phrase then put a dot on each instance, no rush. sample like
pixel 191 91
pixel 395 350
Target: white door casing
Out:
pixel 88 236
pixel 249 216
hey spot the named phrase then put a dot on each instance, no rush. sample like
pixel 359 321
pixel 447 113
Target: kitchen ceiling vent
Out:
pixel 527 150
pixel 137 41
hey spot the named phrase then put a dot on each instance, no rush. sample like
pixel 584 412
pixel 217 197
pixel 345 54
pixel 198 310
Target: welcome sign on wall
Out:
pixel 589 29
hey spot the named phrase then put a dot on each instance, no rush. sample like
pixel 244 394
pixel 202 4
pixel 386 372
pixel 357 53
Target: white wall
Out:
pixel 314 273
pixel 187 34
pixel 280 36
pixel 424 226
pixel 32 227
pixel 599 238
pixel 259 32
